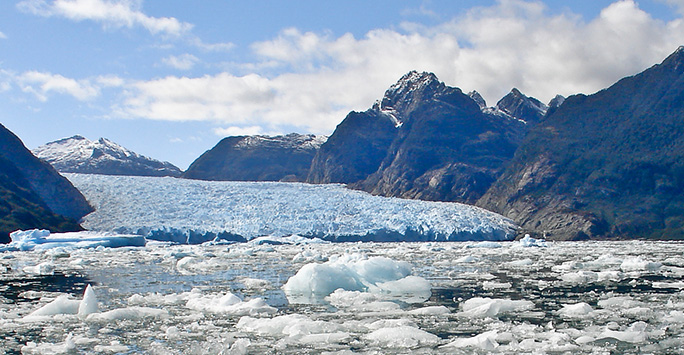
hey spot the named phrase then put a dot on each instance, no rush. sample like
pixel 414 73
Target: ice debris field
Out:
pixel 192 212
pixel 303 297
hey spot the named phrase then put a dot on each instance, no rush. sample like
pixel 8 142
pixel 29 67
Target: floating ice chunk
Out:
pixel 485 244
pixel 484 341
pixel 360 301
pixel 355 272
pixel 130 313
pixel 60 305
pixel 307 256
pixel 403 337
pixel 618 302
pixel 636 333
pixel 466 259
pixel 528 241
pixel 678 284
pixel 44 268
pixel 88 304
pixel 291 325
pixel 229 304
pixel 67 347
pixel 639 264
pixel 491 285
pixel 581 309
pixel 489 308
pixel 44 240
pixel 521 262
pixel 580 277
pixel 290 240
pixel 430 311
pixel 324 338
pixel 256 284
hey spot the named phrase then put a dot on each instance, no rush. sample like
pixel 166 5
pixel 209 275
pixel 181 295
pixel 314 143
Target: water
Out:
pixel 633 289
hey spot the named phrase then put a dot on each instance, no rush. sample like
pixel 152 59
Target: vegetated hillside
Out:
pixel 257 158
pixel 33 194
pixel 81 155
pixel 608 164
pixel 423 140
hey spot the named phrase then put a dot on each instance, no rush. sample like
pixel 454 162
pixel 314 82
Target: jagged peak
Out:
pixel 478 99
pixel 519 105
pixel 412 81
pixel 675 59
pixel 556 101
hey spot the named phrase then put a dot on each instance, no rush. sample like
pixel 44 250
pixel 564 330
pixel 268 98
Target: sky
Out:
pixel 170 78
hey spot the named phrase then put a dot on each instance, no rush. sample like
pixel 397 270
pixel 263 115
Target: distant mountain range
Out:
pixel 81 155
pixel 33 194
pixel 609 164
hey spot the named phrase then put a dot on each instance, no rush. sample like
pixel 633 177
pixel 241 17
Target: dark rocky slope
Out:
pixel 33 194
pixel 257 158
pixel 423 140
pixel 608 164
pixel 81 155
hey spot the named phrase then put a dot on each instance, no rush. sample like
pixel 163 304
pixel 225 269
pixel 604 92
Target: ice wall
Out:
pixel 191 211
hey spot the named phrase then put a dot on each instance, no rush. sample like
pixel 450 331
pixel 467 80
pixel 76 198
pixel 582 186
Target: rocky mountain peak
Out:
pixel 411 88
pixel 523 107
pixel 478 98
pixel 556 101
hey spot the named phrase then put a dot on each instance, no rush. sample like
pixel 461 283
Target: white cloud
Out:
pixel 41 84
pixel 121 13
pixel 320 78
pixel 239 131
pixel 182 62
pixel 679 4
pixel 3 36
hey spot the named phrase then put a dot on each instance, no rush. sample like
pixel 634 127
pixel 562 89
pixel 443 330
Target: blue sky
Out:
pixel 170 78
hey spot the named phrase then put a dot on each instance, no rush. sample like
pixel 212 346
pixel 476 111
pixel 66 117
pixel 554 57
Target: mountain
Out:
pixel 523 107
pixel 33 194
pixel 607 164
pixel 423 140
pixel 257 158
pixel 80 155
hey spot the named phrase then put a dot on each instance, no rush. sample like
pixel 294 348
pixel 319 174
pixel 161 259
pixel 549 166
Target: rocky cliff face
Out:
pixel 34 195
pixel 608 164
pixel 80 155
pixel 423 140
pixel 257 158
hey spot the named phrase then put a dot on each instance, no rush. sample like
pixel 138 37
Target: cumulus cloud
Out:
pixel 182 62
pixel 41 84
pixel 312 80
pixel 122 13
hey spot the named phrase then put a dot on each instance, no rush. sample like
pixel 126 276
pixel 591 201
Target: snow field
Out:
pixel 212 299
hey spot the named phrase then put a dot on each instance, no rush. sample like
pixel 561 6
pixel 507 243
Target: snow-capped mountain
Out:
pixel 257 158
pixel 81 155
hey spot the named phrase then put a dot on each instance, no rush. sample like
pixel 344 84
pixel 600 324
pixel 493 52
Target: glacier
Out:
pixel 193 212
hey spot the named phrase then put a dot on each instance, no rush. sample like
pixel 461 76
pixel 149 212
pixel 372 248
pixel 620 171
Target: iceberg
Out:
pixel 41 239
pixel 194 212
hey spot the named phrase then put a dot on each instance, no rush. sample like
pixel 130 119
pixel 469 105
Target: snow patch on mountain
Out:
pixel 78 154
